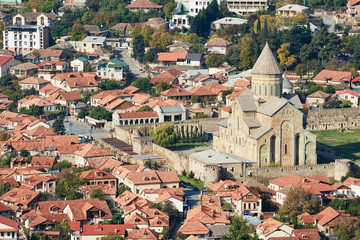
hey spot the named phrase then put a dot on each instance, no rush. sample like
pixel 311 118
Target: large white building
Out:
pixel 242 7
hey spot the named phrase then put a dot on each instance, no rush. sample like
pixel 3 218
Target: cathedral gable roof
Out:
pixel 294 100
pixel 261 131
pixel 252 122
pixel 266 63
pixel 273 105
pixel 246 101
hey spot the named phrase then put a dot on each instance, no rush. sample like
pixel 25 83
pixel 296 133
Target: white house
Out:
pixel 79 64
pixel 291 10
pixel 226 21
pixel 217 45
pixel 348 95
pixel 159 195
pixel 179 21
pixel 272 228
pixel 90 44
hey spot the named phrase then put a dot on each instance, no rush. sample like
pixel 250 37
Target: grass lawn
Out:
pixel 195 182
pixel 186 146
pixel 346 144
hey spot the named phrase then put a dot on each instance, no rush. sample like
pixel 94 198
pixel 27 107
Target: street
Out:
pixel 193 201
pixel 134 65
pixel 328 20
pixel 79 128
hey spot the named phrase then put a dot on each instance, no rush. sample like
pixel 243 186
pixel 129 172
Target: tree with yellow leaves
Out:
pixel 160 39
pixel 286 60
pixel 271 22
pixel 247 52
pixel 214 36
pixel 147 32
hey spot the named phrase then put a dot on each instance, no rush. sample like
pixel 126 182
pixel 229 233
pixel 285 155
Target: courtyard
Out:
pixel 345 144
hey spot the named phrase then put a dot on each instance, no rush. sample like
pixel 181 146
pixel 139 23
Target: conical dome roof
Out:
pixel 287 84
pixel 267 63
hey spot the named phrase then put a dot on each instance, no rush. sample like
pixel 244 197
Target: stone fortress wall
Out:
pixel 332 119
pixel 179 161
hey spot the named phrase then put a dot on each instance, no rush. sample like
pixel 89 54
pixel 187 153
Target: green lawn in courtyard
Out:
pixel 346 144
pixel 195 182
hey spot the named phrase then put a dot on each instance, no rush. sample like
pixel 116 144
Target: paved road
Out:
pixel 193 201
pixel 134 65
pixel 78 128
pixel 329 21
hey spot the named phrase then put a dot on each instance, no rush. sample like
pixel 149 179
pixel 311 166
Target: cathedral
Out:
pixel 266 126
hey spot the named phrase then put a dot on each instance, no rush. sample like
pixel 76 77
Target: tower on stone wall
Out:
pixel 266 75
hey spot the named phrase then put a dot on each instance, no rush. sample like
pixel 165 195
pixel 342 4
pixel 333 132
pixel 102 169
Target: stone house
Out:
pixel 33 82
pixel 24 70
pixel 6 63
pixel 317 99
pixel 217 45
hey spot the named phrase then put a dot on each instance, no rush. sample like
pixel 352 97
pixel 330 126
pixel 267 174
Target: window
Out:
pixel 285 149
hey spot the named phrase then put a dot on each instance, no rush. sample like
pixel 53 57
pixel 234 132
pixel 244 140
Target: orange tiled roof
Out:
pixel 144 233
pixel 138 115
pixel 49 89
pixel 286 180
pixel 143 4
pixel 168 76
pixel 107 189
pixel 89 150
pixel 94 174
pixel 194 227
pixel 175 92
pixel 171 57
pixel 332 76
pixel 150 177
pixel 19 196
pixel 43 162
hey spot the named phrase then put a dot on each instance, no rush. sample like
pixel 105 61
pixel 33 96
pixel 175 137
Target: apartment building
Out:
pixel 242 7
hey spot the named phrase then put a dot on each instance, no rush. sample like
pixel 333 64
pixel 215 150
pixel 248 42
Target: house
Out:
pixel 217 45
pixel 48 90
pixel 45 106
pixel 178 94
pixel 226 21
pixel 139 181
pixel 144 217
pixel 79 64
pixel 21 198
pixel 33 82
pixel 200 219
pixel 113 69
pixel 44 184
pixel 317 99
pixel 247 201
pixel 354 185
pixel 162 195
pixel 89 151
pixel 158 23
pixel 6 63
pixel 144 234
pixel 244 7
pixel 141 98
pixel 349 96
pixel 194 59
pixel 48 69
pixel 9 229
pixel 85 211
pixel 123 28
pixel 98 231
pixel 65 99
pixel 108 190
pixel 285 181
pixel 291 10
pixel 104 164
pixel 170 58
pixel 75 81
pixel 45 163
pixel 24 70
pixel 326 220
pixel 330 77
pixel 90 44
pixel 171 113
pixel 35 18
pixel 96 177
pixel 272 228
pixel 127 93
pixel 145 5
pixel 39 55
pixel 179 21
pixel 127 199
pixel 169 76
pixel 95 30
pixel 303 234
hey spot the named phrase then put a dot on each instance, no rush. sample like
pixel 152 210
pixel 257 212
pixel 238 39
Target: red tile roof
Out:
pixel 95 174
pixel 138 115
pixel 57 63
pixel 150 177
pixel 105 229
pixel 168 76
pixel 4 59
pixel 143 233
pixel 286 180
pixel 347 91
pixel 332 77
pixel 171 57
pixel 19 196
pixel 175 92
pixel 304 234
pixel 89 150
pixel 42 162
pixel 143 4
pixel 10 225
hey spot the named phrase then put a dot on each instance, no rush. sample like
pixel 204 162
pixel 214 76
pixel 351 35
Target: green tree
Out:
pixel 97 193
pixel 145 109
pixel 100 113
pixel 59 126
pixel 200 24
pixel 239 230
pixel 109 85
pixel 61 165
pixel 232 55
pixel 164 135
pixel 298 201
pixel 142 83
pixel 24 153
pixel 67 185
pixel 47 6
pixel 122 188
pixel 5 187
pixel 78 32
pixel 138 47
pixel 169 9
pixel 215 60
pixel 93 5
pixel 195 99
pixel 348 229
pixel 32 110
pixel 83 113
pixel 338 204
pixel 330 89
pixel 113 236
pixel 247 53
pixel 162 86
pixel 191 174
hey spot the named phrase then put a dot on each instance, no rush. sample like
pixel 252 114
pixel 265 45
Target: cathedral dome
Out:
pixel 267 63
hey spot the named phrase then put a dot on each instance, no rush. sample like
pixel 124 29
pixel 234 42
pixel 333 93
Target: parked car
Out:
pixel 195 189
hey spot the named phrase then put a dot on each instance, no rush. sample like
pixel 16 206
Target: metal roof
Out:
pixel 193 56
pixel 94 39
pixel 267 63
pixel 171 109
pixel 260 132
pixel 246 101
pixel 273 105
pixel 212 157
